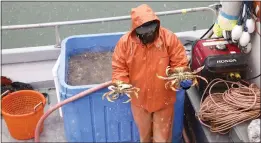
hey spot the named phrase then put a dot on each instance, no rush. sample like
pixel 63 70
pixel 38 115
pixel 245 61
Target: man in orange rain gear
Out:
pixel 139 55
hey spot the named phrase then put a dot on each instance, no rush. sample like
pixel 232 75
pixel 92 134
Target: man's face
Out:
pixel 147 32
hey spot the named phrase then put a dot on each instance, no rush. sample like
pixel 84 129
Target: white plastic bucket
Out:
pixel 56 83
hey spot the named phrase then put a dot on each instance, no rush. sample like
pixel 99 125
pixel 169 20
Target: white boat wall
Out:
pixel 34 64
pixel 254 57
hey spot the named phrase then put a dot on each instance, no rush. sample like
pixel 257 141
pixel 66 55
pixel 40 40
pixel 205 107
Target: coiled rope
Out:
pixel 222 111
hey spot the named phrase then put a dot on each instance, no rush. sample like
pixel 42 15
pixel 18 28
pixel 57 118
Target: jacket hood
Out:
pixel 141 15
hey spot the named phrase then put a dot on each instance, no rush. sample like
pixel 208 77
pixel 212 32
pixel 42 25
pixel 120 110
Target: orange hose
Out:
pixel 75 97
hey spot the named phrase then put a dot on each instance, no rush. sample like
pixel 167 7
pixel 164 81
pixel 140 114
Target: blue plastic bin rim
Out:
pixel 90 35
pixel 63 43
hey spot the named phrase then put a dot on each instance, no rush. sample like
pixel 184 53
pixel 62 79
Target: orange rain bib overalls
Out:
pixel 137 64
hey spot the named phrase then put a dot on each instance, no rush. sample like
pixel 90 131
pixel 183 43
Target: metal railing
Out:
pixel 213 8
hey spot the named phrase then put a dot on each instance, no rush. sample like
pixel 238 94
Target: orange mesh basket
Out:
pixel 21 111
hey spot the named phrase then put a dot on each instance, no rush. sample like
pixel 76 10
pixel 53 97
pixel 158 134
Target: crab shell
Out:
pixel 180 74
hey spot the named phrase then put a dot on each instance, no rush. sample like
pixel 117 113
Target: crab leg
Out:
pixel 135 89
pixel 129 99
pixel 202 78
pixel 128 95
pixel 167 84
pixel 107 94
pixel 166 78
pixel 195 82
pixel 167 70
pixel 109 99
pixel 198 70
pixel 174 82
pixel 135 93
pixel 115 96
pixel 175 87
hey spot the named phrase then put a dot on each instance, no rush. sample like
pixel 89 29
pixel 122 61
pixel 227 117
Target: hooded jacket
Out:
pixel 138 64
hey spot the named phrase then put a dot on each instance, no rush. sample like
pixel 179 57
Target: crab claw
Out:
pixel 198 70
pixel 109 99
pixel 105 94
pixel 112 87
pixel 168 70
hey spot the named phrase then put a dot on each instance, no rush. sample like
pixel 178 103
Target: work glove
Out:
pixel 185 84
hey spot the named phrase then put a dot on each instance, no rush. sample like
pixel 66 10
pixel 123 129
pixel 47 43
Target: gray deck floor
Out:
pixel 53 125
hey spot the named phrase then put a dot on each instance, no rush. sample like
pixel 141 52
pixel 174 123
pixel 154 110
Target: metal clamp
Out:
pixel 57 37
pixel 35 107
pixel 5 93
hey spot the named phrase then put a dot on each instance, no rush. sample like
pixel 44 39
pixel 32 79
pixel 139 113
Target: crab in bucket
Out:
pixel 119 90
pixel 177 75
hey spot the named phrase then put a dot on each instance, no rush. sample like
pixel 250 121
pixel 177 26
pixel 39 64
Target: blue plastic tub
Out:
pixel 91 119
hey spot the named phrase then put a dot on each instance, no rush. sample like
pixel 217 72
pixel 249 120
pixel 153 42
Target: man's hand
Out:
pixel 186 84
pixel 121 85
pixel 117 83
pixel 181 69
pixel 177 70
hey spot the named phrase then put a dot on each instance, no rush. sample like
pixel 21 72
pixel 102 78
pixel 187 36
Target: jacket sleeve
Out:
pixel 177 53
pixel 120 69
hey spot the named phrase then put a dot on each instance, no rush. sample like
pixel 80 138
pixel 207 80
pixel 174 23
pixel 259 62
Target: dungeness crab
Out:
pixel 179 74
pixel 120 89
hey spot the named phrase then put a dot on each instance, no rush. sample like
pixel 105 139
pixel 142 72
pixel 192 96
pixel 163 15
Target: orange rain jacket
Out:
pixel 138 64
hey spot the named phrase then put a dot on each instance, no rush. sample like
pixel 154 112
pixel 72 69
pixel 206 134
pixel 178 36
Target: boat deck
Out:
pixel 53 125
pixel 54 128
